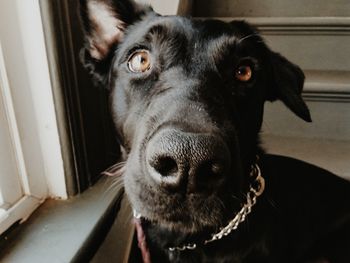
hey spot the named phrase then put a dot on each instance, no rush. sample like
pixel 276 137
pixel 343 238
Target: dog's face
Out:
pixel 187 100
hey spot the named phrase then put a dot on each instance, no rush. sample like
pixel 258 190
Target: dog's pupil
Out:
pixel 139 62
pixel 244 73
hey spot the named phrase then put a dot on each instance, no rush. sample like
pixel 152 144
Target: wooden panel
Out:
pixel 270 8
pixel 170 7
pixel 313 52
pixel 10 186
pixel 327 86
pixel 329 121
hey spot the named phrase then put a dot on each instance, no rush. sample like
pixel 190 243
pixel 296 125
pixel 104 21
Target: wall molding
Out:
pixel 327 86
pixel 170 7
pixel 296 25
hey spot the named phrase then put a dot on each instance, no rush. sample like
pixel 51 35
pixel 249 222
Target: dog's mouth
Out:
pixel 189 214
pixel 256 188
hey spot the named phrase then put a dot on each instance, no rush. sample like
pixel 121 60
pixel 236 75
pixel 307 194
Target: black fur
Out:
pixel 189 130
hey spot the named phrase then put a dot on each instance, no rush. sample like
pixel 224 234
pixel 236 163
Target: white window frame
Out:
pixel 26 93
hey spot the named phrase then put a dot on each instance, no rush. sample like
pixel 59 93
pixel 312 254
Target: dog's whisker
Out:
pixel 117 183
pixel 249 36
pixel 221 203
pixel 235 197
pixel 113 189
pixel 115 170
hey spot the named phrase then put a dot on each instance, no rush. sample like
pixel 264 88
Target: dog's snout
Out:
pixel 194 160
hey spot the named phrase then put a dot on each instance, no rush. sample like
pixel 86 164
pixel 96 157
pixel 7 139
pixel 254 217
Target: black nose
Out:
pixel 197 161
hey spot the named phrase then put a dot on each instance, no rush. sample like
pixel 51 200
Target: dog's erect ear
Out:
pixel 286 84
pixel 104 23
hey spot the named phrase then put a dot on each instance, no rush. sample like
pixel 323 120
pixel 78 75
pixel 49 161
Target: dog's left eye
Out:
pixel 243 73
pixel 139 61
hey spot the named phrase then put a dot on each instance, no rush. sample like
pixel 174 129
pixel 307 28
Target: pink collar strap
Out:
pixel 141 239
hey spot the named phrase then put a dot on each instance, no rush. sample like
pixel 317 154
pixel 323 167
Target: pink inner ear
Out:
pixel 107 29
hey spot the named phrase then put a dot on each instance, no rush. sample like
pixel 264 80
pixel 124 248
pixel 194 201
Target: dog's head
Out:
pixel 187 100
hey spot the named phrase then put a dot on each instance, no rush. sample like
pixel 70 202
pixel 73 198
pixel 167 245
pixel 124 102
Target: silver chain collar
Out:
pixel 255 190
pixel 251 197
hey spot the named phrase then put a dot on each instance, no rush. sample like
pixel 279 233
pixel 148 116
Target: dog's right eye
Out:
pixel 139 61
pixel 243 73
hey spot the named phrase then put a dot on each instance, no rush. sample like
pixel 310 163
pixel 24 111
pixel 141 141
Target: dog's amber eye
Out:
pixel 243 73
pixel 140 61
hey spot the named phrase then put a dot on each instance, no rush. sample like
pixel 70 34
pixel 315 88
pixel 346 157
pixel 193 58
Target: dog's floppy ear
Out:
pixel 286 84
pixel 104 23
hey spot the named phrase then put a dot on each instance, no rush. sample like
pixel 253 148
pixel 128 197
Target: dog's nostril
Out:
pixel 210 170
pixel 165 166
pixel 206 177
pixel 217 168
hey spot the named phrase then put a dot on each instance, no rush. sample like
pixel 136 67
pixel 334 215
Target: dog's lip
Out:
pixel 189 226
pixel 165 216
pixel 136 214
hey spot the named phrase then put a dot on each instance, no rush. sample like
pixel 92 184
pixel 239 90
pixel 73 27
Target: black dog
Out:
pixel 187 100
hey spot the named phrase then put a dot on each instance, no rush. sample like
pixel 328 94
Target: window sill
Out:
pixel 64 231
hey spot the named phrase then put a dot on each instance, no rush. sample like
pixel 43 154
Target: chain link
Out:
pixel 255 190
